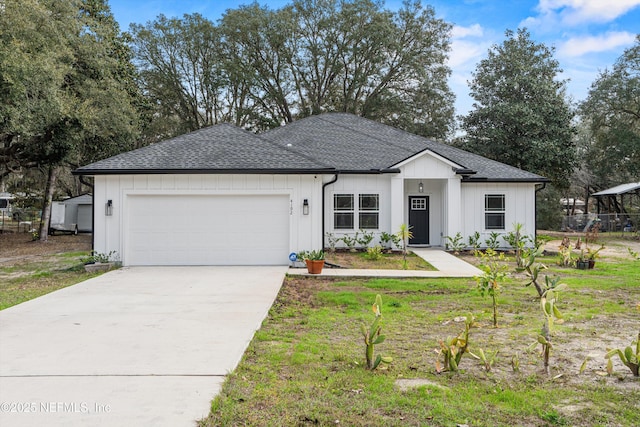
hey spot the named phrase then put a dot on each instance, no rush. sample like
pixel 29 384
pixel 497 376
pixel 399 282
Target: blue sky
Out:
pixel 589 35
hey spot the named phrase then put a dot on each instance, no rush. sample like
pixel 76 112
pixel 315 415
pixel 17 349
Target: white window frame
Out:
pixel 342 211
pixel 356 211
pixel 494 212
pixel 369 211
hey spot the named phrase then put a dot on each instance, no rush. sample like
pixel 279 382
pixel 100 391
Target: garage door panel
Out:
pixel 207 230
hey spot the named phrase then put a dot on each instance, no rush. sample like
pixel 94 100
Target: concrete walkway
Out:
pixel 141 346
pixel 446 265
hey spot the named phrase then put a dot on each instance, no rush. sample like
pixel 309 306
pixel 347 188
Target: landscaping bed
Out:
pixel 387 261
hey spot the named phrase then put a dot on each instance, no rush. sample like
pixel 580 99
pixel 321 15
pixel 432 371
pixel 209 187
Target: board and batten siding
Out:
pixel 442 186
pixel 520 207
pixel 109 233
pixel 359 184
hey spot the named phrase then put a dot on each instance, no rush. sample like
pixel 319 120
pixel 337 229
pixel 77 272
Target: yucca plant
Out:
pixel 548 302
pixel 494 273
pixel 487 359
pixel 545 341
pixel 373 336
pixel 629 356
pixel 454 348
pixel 404 234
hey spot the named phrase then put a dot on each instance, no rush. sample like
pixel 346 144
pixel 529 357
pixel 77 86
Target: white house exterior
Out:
pixel 223 196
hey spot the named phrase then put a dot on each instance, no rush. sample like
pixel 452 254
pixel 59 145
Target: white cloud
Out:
pixel 578 46
pixel 465 52
pixel 576 12
pixel 459 32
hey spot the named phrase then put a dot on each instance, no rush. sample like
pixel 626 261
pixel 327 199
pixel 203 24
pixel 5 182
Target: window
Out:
pixel 494 211
pixel 345 211
pixel 419 204
pixel 369 211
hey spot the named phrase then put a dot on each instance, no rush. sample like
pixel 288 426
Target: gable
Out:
pixel 427 165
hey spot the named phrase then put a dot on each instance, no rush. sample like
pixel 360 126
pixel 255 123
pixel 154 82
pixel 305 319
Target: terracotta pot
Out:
pixel 314 267
pixel 592 263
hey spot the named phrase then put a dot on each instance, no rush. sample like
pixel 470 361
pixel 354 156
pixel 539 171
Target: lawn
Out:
pixel 30 269
pixel 305 366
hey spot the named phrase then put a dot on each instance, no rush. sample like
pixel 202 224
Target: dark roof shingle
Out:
pixel 352 143
pixel 333 142
pixel 219 148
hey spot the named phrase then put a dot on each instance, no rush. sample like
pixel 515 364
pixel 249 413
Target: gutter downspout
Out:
pixel 335 178
pixel 535 211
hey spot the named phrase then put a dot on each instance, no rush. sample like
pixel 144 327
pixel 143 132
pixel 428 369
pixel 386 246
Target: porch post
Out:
pixel 397 204
pixel 453 215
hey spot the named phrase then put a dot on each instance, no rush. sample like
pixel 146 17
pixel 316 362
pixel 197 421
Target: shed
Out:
pixel 5 203
pixel 615 202
pixel 72 215
pixel 612 199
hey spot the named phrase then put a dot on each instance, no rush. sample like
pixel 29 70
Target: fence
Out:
pixel 19 221
pixel 620 223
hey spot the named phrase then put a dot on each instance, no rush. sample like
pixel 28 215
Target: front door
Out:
pixel 419 219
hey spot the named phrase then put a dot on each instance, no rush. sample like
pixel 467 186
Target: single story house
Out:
pixel 224 196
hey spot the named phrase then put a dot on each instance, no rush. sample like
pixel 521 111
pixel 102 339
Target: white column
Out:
pixel 453 215
pixel 397 203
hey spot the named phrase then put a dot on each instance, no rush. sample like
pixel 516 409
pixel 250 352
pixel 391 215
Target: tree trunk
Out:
pixel 46 206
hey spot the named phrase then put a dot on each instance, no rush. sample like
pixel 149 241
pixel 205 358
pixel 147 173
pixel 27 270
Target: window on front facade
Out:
pixel 343 211
pixel 494 211
pixel 346 211
pixel 369 207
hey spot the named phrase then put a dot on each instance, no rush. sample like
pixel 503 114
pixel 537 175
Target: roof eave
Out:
pixel 480 180
pixel 287 171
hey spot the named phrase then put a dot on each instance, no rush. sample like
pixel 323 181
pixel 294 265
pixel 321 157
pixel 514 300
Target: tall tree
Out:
pixel 181 68
pixel 612 112
pixel 520 115
pixel 309 57
pixel 35 58
pixel 67 87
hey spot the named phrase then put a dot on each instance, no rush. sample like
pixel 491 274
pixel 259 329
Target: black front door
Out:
pixel 419 219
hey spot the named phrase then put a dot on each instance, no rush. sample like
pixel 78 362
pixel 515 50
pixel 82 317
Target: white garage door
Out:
pixel 207 230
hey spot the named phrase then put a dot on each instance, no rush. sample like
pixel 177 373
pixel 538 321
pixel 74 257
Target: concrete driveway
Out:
pixel 143 346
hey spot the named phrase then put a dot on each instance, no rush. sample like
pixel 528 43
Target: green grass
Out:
pixel 25 281
pixel 305 366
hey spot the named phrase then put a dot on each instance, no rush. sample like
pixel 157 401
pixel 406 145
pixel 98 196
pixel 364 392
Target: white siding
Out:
pixel 442 186
pixel 426 167
pixel 520 205
pixel 305 230
pixel 360 184
pixel 436 190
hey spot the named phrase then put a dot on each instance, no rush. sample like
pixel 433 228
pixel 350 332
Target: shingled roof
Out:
pixel 328 143
pixel 351 144
pixel 222 148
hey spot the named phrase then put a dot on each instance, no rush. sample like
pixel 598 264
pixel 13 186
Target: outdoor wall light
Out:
pixel 305 207
pixel 108 208
pixel 420 188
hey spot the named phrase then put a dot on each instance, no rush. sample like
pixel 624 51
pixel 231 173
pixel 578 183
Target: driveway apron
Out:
pixel 140 346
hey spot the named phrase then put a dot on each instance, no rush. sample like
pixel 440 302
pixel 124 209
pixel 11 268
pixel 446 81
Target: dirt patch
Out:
pixel 18 248
pixel 409 383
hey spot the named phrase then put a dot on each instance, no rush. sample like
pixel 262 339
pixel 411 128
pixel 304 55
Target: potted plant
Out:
pixel 314 260
pixel 592 255
pixel 97 261
pixel 582 263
